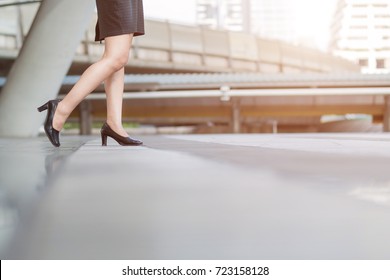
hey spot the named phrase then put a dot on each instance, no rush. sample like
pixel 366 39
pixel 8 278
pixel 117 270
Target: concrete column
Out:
pixel 85 118
pixel 236 117
pixel 44 60
pixel 386 115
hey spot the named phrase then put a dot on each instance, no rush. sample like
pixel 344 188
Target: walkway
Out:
pixel 296 196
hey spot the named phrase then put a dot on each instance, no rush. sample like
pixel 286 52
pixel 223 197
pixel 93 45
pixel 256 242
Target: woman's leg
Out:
pixel 114 86
pixel 115 57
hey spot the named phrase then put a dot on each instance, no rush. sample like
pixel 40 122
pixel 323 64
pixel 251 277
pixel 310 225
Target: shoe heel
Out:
pixel 104 140
pixel 43 107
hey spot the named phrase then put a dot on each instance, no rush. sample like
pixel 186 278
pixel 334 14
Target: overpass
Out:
pixel 241 102
pixel 246 102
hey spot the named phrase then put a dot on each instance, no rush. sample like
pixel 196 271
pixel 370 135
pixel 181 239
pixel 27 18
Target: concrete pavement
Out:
pixel 257 196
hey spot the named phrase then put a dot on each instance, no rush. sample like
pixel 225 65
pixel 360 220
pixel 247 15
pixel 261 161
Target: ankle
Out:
pixel 60 117
pixel 117 127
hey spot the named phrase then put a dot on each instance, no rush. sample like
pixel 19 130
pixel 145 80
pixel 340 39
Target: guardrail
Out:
pixel 203 49
pixel 169 47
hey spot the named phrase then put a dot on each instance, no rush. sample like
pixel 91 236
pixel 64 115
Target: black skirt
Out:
pixel 118 17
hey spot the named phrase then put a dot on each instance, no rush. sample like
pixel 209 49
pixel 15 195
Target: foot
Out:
pixel 51 132
pixel 118 129
pixel 59 117
pixel 107 131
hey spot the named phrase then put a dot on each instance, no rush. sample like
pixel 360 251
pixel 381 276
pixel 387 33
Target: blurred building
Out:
pixel 225 14
pixel 274 19
pixel 271 19
pixel 361 33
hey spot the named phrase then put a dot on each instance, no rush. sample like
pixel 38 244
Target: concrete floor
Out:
pixel 292 196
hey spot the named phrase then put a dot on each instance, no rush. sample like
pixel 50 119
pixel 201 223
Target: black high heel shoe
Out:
pixel 50 131
pixel 124 141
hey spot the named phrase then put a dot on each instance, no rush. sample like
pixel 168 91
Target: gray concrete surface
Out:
pixel 297 196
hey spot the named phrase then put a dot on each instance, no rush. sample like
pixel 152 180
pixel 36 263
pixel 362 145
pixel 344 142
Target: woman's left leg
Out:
pixel 116 54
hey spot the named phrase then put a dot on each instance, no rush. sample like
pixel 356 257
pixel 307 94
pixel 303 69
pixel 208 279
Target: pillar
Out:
pixel 236 116
pixel 85 118
pixel 386 115
pixel 43 61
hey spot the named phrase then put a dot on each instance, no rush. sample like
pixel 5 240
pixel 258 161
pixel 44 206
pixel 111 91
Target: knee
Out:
pixel 117 62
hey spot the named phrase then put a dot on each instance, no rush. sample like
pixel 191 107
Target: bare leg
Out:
pixel 114 86
pixel 115 56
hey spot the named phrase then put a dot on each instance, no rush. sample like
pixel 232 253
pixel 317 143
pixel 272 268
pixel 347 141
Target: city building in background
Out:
pixel 361 33
pixel 274 19
pixel 299 22
pixel 225 14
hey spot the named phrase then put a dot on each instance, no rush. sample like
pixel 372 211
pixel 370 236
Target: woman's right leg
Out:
pixel 116 54
pixel 114 86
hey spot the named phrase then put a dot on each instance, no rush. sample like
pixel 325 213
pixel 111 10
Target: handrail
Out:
pixel 223 95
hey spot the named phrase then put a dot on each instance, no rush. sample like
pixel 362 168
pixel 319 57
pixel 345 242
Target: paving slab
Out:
pixel 256 196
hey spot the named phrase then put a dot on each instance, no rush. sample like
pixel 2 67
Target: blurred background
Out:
pixel 204 67
pixel 249 66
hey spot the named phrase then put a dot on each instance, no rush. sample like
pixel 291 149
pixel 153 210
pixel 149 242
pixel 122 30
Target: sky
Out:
pixel 313 21
pixel 181 11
